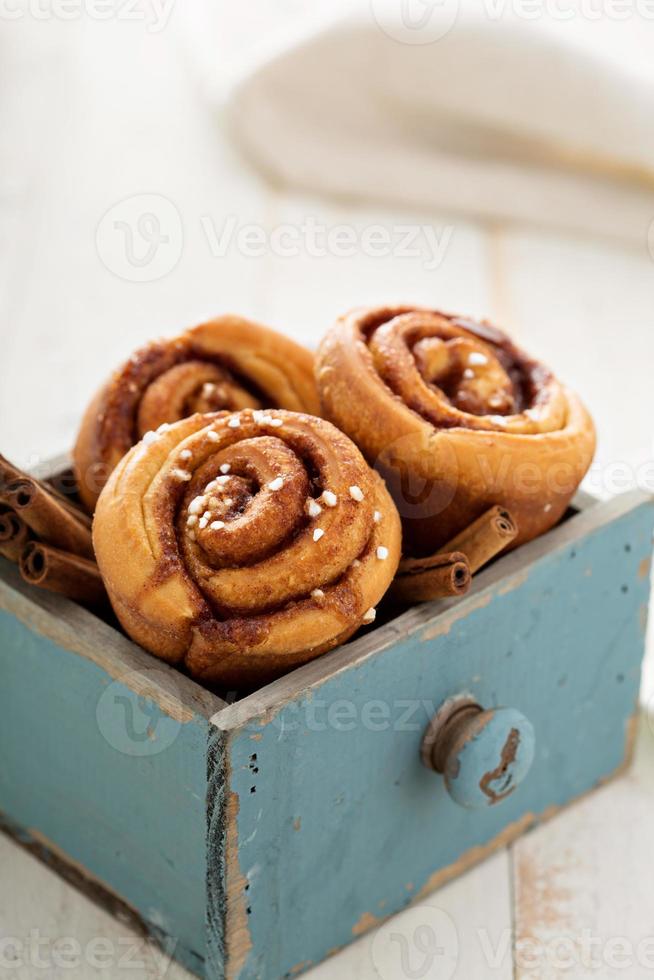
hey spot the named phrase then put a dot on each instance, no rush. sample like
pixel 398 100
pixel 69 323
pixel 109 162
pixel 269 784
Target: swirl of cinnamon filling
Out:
pixel 242 545
pixel 225 364
pixel 456 417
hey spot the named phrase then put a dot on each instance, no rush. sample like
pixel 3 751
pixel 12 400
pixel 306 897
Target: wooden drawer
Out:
pixel 258 837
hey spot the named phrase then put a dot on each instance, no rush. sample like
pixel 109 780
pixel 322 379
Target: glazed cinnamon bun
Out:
pixel 456 418
pixel 228 363
pixel 241 545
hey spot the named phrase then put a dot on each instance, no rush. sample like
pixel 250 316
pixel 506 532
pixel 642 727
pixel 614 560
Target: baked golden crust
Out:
pixel 223 549
pixel 456 418
pixel 227 363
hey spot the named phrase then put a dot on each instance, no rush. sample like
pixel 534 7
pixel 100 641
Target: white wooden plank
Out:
pixel 48 929
pixel 121 118
pixel 587 308
pixel 461 932
pixel 583 883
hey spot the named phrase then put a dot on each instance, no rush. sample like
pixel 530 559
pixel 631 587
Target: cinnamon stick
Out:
pixel 10 474
pixel 485 537
pixel 52 520
pixel 61 572
pixel 435 577
pixel 14 534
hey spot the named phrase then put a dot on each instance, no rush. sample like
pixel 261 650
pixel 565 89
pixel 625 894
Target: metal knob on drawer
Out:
pixel 482 755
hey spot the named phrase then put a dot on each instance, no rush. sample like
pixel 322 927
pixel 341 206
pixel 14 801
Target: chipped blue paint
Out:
pixel 339 821
pixel 492 761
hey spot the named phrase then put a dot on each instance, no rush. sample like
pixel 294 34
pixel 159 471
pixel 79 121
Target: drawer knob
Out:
pixel 482 755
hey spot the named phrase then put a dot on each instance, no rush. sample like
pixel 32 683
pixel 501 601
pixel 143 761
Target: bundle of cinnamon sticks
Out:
pixel 48 536
pixel 449 573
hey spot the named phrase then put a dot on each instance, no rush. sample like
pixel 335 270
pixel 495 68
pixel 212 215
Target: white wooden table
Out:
pixel 95 112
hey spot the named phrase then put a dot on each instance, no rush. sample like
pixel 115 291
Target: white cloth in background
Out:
pixel 493 112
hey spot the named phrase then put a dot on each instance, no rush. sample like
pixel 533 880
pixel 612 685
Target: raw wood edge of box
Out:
pixel 229 941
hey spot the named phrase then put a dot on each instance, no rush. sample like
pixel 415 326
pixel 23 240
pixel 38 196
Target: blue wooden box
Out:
pixel 255 838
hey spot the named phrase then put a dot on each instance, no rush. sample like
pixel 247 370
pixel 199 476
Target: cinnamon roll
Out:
pixel 228 363
pixel 457 418
pixel 241 545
